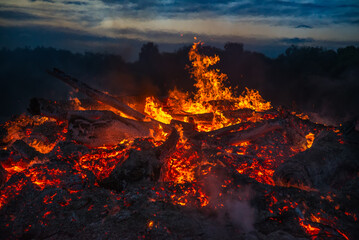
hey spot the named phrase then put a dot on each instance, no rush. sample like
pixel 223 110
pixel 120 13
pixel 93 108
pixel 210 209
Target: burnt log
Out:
pixel 3 175
pixel 96 94
pixel 48 108
pixel 25 151
pixel 242 132
pixel 143 165
pixel 254 133
pixel 169 146
pixel 244 115
pixel 98 128
pixel 60 109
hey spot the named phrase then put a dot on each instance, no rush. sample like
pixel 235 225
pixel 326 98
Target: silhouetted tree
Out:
pixel 233 48
pixel 149 53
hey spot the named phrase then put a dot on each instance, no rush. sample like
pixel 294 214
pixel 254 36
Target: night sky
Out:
pixel 123 26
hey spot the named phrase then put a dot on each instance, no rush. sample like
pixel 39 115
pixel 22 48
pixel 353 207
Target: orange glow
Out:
pixel 150 224
pixel 310 139
pixel 309 229
pixel 41 146
pixel 103 161
pixel 159 135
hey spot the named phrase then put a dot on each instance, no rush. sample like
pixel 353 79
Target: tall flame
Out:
pixel 210 85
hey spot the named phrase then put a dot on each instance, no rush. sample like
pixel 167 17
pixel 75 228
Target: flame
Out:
pixel 77 103
pixel 159 135
pixel 211 92
pixel 156 112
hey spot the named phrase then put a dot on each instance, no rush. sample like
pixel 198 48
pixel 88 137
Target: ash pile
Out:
pixel 118 168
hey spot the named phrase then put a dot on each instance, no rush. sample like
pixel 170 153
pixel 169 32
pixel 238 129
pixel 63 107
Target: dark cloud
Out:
pixel 49 1
pixel 304 26
pixel 78 41
pixel 296 40
pixel 14 15
pixel 76 3
pixel 62 38
pixel 333 11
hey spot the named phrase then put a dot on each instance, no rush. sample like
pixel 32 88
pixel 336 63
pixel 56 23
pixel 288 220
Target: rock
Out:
pixel 329 163
pixel 281 235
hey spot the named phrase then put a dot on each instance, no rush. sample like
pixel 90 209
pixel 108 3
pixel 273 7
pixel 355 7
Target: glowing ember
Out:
pixel 309 228
pixel 310 139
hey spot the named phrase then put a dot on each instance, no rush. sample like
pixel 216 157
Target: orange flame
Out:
pixel 211 90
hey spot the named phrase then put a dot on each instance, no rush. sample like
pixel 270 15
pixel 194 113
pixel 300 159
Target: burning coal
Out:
pixel 209 164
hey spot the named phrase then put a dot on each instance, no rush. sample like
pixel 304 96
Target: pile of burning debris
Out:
pixel 208 165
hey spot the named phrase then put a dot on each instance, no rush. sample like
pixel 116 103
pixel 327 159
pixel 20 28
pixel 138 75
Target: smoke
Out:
pixel 232 208
pixel 240 212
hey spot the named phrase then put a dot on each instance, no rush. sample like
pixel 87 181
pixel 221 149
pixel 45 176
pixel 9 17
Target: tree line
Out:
pixel 311 79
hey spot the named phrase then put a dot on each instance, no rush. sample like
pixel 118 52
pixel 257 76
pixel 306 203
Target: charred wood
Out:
pixel 3 136
pixel 48 108
pixel 188 129
pixel 96 94
pixel 243 114
pixel 144 165
pixel 235 134
pixel 24 150
pixel 253 134
pixel 98 128
pixel 169 146
pixel 139 166
pixel 4 155
pixel 69 151
pixel 3 175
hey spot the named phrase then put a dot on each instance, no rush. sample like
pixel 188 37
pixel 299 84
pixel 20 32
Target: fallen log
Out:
pixel 97 128
pixel 96 94
pixel 48 108
pixel 253 134
pixel 26 152
pixel 208 117
pixel 241 132
pixel 60 109
pixel 244 114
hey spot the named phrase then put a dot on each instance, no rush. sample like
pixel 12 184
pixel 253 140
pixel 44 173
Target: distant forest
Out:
pixel 308 79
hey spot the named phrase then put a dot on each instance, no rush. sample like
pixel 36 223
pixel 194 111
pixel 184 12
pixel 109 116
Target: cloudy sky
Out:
pixel 123 26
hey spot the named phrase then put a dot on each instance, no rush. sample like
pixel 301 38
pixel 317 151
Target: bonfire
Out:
pixel 212 164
